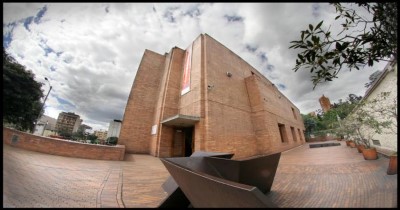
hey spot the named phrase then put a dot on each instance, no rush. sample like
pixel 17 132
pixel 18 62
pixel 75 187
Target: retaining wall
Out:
pixel 61 147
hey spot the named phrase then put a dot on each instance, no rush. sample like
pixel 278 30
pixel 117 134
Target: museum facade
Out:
pixel 206 98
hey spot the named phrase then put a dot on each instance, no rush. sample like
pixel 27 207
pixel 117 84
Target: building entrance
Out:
pixel 183 142
pixel 188 133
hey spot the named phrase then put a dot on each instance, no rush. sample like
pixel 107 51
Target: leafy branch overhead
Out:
pixel 361 41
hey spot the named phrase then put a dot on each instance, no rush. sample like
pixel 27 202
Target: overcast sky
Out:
pixel 91 51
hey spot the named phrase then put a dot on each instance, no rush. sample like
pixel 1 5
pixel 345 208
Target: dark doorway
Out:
pixel 188 141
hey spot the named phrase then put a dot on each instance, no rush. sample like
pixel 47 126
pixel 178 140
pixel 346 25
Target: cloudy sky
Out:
pixel 91 51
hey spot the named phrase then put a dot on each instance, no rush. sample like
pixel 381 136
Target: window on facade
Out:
pixel 301 138
pixel 294 113
pixel 293 134
pixel 282 132
pixel 376 142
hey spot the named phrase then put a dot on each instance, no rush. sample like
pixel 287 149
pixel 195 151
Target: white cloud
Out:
pixel 96 48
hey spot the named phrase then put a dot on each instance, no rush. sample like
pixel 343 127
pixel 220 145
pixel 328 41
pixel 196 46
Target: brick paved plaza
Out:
pixel 335 176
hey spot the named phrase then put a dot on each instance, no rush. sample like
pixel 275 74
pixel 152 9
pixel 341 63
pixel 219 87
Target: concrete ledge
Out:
pixel 61 147
pixel 384 152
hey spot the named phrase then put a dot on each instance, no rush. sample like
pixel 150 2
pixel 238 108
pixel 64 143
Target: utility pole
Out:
pixel 37 119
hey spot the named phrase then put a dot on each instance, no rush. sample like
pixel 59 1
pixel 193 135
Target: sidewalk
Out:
pixel 336 176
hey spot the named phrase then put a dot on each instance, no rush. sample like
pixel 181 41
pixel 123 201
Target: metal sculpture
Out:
pixel 211 181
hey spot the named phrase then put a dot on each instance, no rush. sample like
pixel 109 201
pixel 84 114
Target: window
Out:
pixel 376 142
pixel 282 132
pixel 294 113
pixel 301 138
pixel 293 134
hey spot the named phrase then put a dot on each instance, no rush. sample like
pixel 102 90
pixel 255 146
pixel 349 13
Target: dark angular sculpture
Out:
pixel 176 198
pixel 210 181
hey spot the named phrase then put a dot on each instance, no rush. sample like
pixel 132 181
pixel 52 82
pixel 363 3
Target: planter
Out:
pixel 370 154
pixel 360 148
pixel 352 144
pixel 392 169
pixel 348 143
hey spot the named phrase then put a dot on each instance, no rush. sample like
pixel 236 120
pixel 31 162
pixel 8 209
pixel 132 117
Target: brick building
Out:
pixel 325 103
pixel 206 98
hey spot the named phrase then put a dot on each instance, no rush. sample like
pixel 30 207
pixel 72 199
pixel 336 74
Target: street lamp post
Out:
pixel 44 100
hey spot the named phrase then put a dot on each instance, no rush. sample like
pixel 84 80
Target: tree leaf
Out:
pixel 311 27
pixel 319 25
pixel 328 34
pixel 338 46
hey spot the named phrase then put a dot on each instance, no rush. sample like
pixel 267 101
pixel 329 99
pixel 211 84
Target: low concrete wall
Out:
pixel 62 147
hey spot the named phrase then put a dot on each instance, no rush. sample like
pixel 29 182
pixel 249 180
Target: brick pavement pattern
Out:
pixel 318 177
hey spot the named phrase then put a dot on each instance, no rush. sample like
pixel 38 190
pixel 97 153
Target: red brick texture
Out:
pixel 139 111
pixel 238 113
pixel 61 147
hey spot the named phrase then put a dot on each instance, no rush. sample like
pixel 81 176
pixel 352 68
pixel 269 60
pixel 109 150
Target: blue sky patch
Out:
pixel 7 38
pixel 193 12
pixel 48 50
pixel 64 102
pixel 263 57
pixel 40 14
pixel 250 48
pixel 27 22
pixel 315 9
pixel 270 67
pixel 281 86
pixel 233 18
pixel 169 16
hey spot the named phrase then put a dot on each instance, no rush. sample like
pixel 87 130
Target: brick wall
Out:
pixel 141 104
pixel 61 147
pixel 236 115
pixel 244 110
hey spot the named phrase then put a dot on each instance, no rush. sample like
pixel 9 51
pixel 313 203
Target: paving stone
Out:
pixel 320 177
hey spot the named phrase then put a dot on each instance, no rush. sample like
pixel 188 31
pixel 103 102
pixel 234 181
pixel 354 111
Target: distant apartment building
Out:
pixel 68 122
pixel 45 126
pixel 114 128
pixel 101 135
pixel 325 103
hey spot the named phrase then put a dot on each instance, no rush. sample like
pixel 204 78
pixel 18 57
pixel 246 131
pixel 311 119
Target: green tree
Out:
pixel 65 133
pixel 77 135
pixel 21 95
pixel 310 123
pixel 112 140
pixel 361 41
pixel 330 121
pixel 92 137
